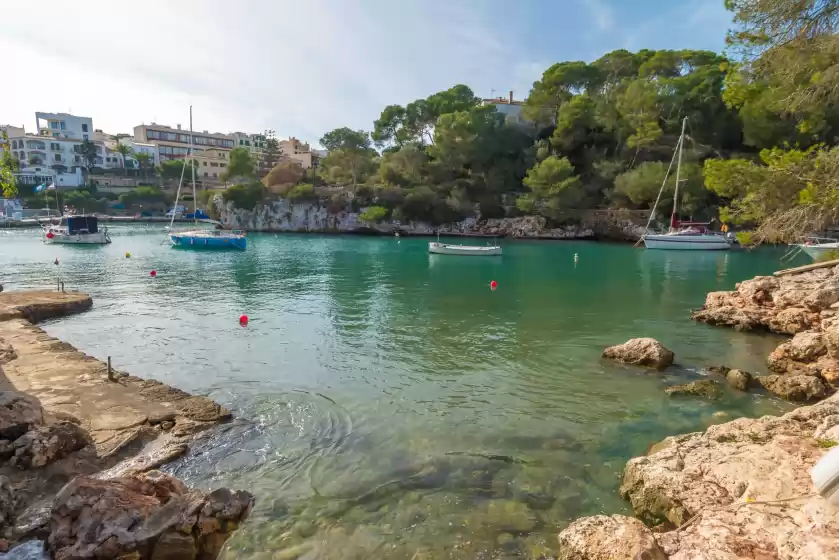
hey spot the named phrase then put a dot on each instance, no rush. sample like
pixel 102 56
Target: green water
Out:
pixel 388 403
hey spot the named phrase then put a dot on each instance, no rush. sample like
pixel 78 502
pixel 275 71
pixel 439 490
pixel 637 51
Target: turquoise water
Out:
pixel 389 404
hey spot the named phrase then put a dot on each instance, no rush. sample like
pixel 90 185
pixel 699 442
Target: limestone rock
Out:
pixel 799 388
pixel 7 501
pixel 704 388
pixel 758 290
pixel 831 339
pixel 739 379
pixel 718 370
pixel 717 472
pixel 641 352
pixel 18 413
pixel 41 446
pixel 602 537
pixel 150 516
pixel 793 320
pixel 822 298
pixel 804 347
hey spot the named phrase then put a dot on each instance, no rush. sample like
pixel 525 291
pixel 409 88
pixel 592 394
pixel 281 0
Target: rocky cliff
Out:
pixel 283 215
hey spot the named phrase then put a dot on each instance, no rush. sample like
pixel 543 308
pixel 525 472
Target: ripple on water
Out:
pixel 390 405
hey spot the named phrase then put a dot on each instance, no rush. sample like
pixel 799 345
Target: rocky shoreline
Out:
pixel 740 489
pixel 283 215
pixel 79 450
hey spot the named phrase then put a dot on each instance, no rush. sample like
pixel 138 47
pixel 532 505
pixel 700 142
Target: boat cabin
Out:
pixel 82 224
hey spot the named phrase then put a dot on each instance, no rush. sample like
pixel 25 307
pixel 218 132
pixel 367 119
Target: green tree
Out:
pixel 285 173
pixel 144 162
pixel 246 195
pixel 350 154
pixel 177 168
pixel 642 184
pixel 124 150
pixel 241 166
pixel 8 186
pixel 398 126
pixel 270 155
pixel 553 187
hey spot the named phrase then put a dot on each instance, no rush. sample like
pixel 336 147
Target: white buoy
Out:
pixel 576 257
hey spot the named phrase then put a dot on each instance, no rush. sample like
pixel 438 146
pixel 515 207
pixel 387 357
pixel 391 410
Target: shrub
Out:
pixel 245 196
pixel 374 214
pixel 302 192
pixel 285 173
pixel 828 256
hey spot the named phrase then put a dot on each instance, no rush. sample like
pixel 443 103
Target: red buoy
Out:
pixel 243 320
pixel 493 285
pixel 50 235
pixel 153 273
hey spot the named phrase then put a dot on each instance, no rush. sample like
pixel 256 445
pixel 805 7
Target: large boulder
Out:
pixel 723 474
pixel 830 334
pixel 41 446
pixel 604 537
pixel 147 516
pixel 739 379
pixel 758 290
pixel 797 388
pixel 18 413
pixel 641 352
pixel 793 320
pixel 705 388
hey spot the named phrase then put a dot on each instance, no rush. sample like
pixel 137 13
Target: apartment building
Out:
pixel 509 107
pixel 174 143
pixel 297 151
pixel 64 125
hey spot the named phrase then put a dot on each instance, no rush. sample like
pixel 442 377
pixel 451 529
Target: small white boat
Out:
pixel 466 250
pixel 77 230
pixel 683 236
pixel 818 246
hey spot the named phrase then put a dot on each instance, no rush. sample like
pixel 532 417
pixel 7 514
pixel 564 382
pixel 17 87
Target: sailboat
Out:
pixel 202 238
pixel 685 236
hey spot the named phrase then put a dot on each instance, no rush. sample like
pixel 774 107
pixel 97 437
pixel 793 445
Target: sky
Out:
pixel 305 67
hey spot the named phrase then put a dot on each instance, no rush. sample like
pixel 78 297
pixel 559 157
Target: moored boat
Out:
pixel 466 250
pixel 201 238
pixel 77 230
pixel 683 236
pixel 815 247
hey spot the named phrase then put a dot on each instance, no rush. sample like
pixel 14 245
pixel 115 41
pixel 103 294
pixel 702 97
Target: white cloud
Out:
pixel 601 13
pixel 301 68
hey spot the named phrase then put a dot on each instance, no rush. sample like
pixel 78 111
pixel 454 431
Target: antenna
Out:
pixel 492 93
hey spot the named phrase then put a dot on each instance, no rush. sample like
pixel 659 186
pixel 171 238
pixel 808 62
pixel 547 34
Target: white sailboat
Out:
pixel 202 238
pixel 683 236
pixel 815 247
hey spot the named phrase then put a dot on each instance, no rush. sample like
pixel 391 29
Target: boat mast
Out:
pixel 192 164
pixel 673 216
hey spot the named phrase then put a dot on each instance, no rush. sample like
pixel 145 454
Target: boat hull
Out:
pixel 817 250
pixel 99 238
pixel 687 242
pixel 464 250
pixel 188 240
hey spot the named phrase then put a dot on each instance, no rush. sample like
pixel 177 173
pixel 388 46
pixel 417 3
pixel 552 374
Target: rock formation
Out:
pixel 715 484
pixel 704 388
pixel 306 216
pixel 798 303
pixel 151 515
pixel 602 537
pixel 641 352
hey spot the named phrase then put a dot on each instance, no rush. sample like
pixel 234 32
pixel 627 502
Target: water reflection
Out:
pixel 389 403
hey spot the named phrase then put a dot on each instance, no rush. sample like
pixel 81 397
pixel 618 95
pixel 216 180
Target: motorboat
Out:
pixel 684 236
pixel 818 246
pixel 77 230
pixel 466 250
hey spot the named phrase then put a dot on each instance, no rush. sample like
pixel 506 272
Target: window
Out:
pixel 84 127
pixel 222 165
pixel 77 159
pixel 56 135
pixel 213 164
pixel 206 174
pixel 57 157
pixel 14 144
pixel 84 136
pixel 55 146
pixel 205 164
pixel 63 126
pixel 54 125
pixel 215 174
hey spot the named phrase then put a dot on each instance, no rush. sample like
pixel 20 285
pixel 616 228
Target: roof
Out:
pixel 501 101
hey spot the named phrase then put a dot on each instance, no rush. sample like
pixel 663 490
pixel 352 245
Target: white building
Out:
pixel 509 107
pixel 64 125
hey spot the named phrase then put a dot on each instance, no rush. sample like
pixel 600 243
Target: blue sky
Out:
pixel 305 67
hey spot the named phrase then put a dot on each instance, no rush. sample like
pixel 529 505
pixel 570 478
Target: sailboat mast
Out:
pixel 673 216
pixel 192 165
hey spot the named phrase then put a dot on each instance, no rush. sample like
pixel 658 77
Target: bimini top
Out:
pixel 82 224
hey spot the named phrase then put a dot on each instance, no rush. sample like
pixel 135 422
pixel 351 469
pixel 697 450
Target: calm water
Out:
pixel 389 404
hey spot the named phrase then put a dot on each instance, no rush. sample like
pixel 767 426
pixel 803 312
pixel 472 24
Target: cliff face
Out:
pixel 286 216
